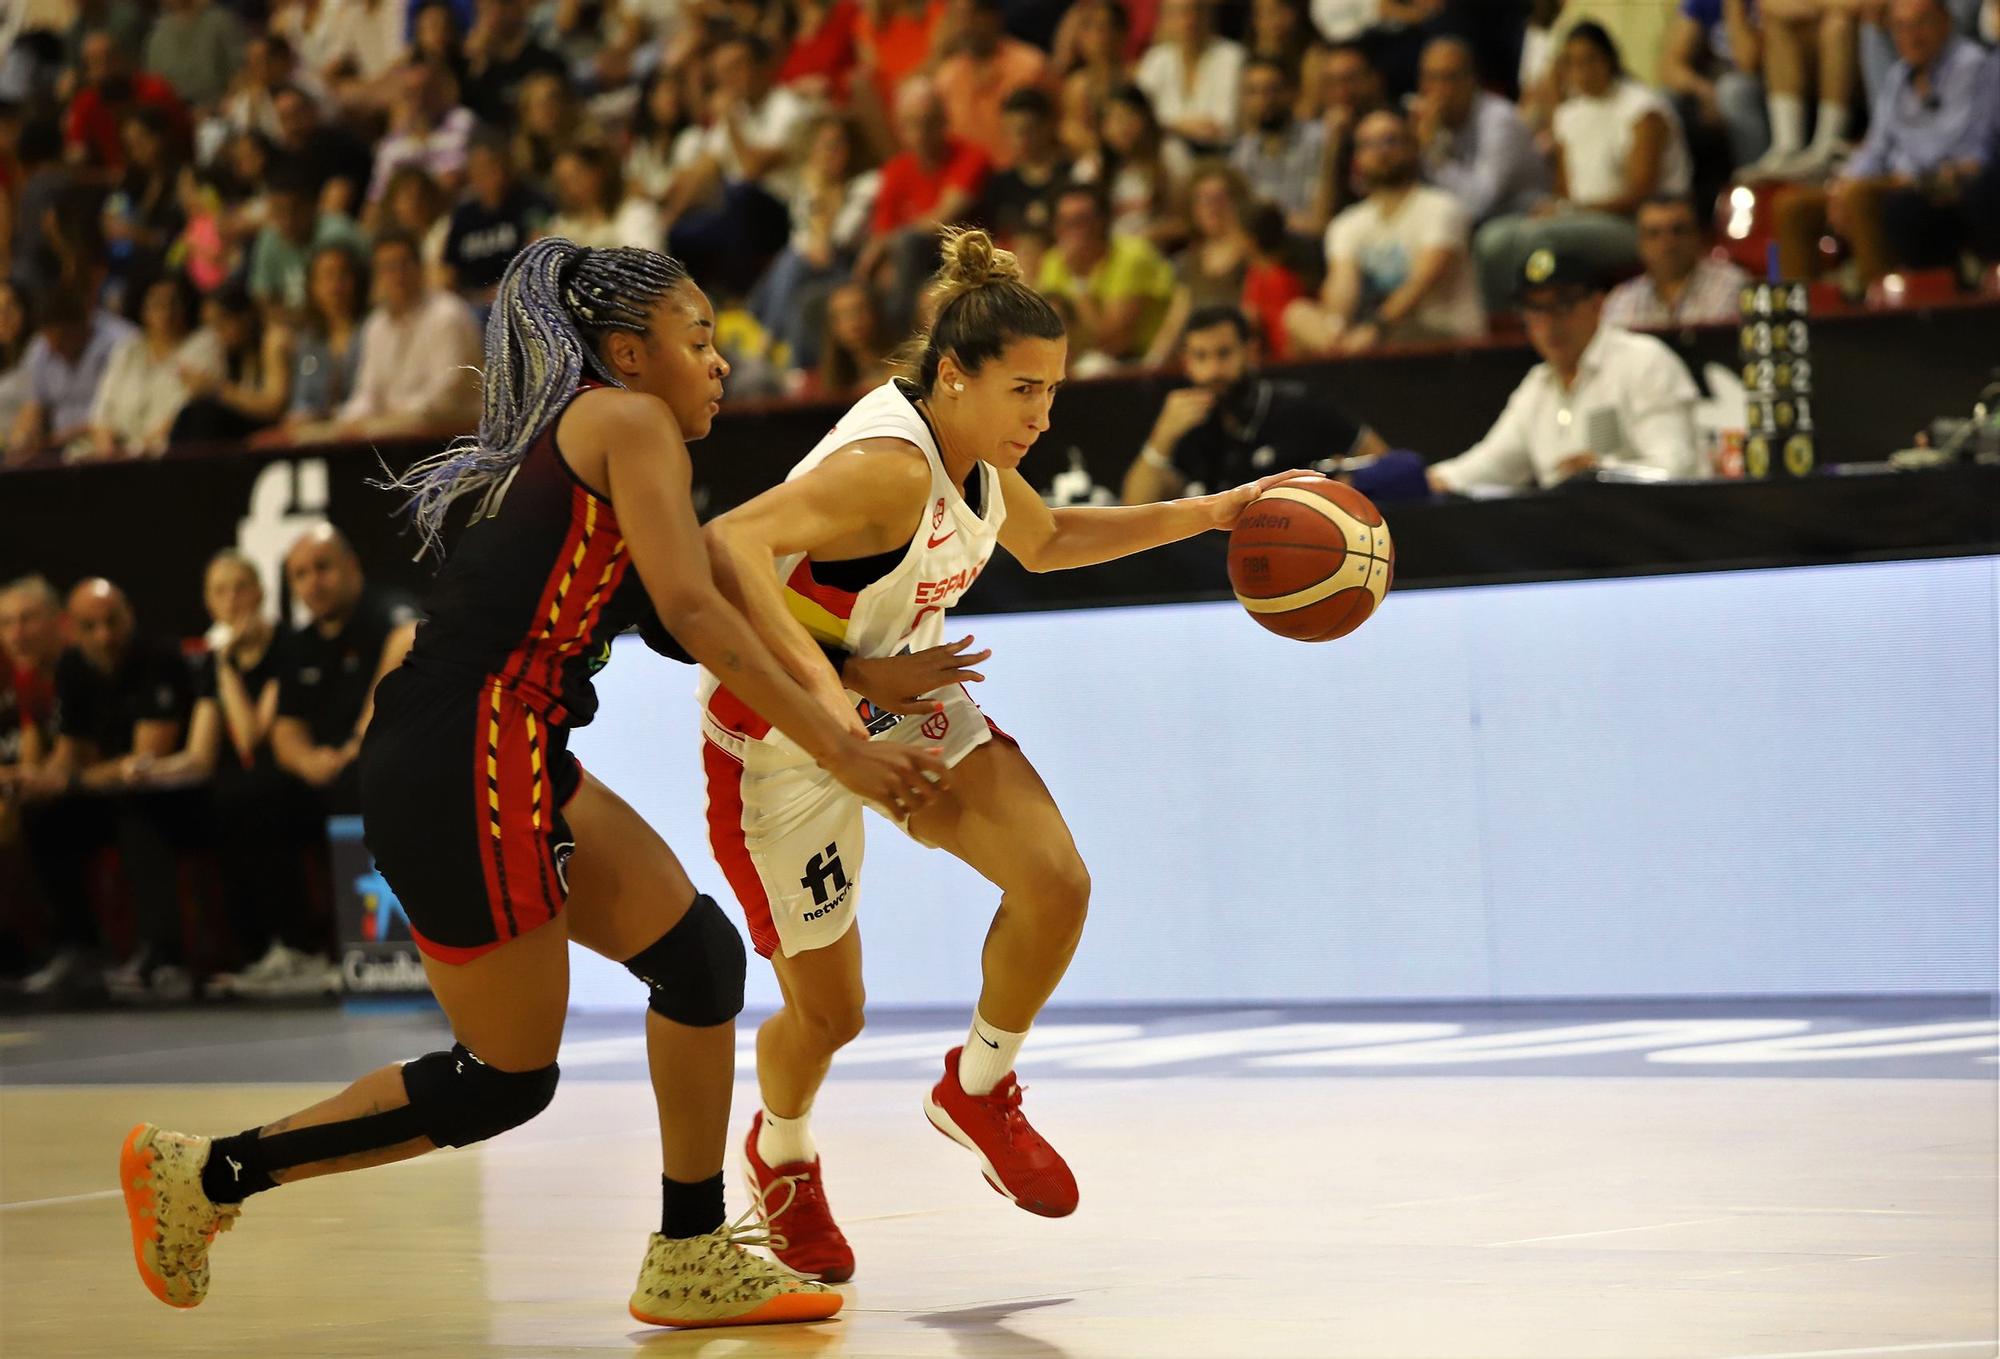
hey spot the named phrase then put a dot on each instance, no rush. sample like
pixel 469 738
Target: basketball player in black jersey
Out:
pixel 600 367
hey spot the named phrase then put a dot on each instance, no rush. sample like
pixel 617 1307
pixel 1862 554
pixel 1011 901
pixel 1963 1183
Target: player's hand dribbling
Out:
pixel 1224 508
pixel 901 777
pixel 903 684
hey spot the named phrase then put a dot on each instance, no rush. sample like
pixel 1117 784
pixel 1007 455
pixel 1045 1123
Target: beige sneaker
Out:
pixel 714 1280
pixel 173 1221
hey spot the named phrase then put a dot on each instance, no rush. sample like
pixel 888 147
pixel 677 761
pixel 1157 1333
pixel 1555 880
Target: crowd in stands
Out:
pixel 282 220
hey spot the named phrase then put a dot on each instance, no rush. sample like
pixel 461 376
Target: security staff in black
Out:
pixel 600 366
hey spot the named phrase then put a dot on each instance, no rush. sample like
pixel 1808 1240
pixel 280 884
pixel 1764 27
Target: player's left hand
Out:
pixel 1225 507
pixel 903 684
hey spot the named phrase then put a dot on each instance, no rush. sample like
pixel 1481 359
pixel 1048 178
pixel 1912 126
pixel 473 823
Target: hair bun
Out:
pixel 971 260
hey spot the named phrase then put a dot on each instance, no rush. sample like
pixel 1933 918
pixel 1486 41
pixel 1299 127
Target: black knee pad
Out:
pixel 695 970
pixel 459 1100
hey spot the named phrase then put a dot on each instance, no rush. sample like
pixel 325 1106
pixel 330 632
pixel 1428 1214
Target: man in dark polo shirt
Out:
pixel 30 644
pixel 1229 426
pixel 327 678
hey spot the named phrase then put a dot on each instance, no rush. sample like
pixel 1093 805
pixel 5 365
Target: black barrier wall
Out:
pixel 151 526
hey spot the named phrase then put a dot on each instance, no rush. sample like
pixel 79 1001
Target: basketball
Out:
pixel 1311 559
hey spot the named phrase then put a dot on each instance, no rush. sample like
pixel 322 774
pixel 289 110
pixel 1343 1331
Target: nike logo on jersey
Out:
pixel 939 542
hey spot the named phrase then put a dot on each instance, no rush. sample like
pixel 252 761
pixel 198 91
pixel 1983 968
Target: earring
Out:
pixel 958 386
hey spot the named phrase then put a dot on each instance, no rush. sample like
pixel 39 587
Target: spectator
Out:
pixel 1080 126
pixel 16 383
pixel 143 388
pixel 1617 144
pixel 547 122
pixel 934 180
pixel 1212 270
pixel 1271 285
pixel 820 50
pixel 142 216
pixel 418 349
pixel 1022 196
pixel 436 39
pixel 197 48
pixel 327 356
pixel 202 252
pixel 110 88
pixel 501 57
pixel 1601 397
pixel 354 47
pixel 975 80
pixel 856 352
pixel 428 129
pixel 1350 89
pixel 1902 195
pixel 1193 78
pixel 1229 425
pixel 125 20
pixel 252 385
pixel 1710 70
pixel 337 164
pixel 413 205
pixel 41 181
pixel 1282 31
pixel 893 39
pixel 294 230
pixel 1399 267
pixel 31 641
pixel 1147 172
pixel 497 216
pixel 269 66
pixel 1806 41
pixel 326 684
pixel 66 362
pixel 658 123
pixel 1120 286
pixel 830 214
pixel 1091 42
pixel 1282 158
pixel 593 208
pixel 123 702
pixel 1475 145
pixel 1682 286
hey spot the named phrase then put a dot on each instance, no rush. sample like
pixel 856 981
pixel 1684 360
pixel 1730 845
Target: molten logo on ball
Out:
pixel 1311 559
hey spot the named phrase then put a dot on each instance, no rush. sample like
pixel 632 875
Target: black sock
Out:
pixel 690 1209
pixel 236 1168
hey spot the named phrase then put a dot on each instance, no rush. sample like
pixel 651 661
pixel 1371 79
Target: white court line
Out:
pixel 1990 1346
pixel 65 1198
pixel 1609 1231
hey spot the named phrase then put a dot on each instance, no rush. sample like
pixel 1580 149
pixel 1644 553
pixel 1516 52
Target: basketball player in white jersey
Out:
pixel 858 554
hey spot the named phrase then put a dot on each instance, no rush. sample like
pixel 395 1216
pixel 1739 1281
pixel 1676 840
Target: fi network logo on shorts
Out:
pixel 826 878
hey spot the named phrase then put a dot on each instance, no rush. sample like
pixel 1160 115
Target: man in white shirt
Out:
pixel 418 349
pixel 1600 398
pixel 1398 263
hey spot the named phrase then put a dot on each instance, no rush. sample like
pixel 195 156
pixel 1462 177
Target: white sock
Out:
pixel 1832 126
pixel 1788 123
pixel 987 1057
pixel 785 1141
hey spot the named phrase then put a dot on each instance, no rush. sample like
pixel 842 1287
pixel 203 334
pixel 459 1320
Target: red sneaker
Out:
pixel 812 1244
pixel 1015 1159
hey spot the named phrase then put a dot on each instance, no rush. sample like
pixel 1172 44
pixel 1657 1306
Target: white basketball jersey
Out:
pixel 902 610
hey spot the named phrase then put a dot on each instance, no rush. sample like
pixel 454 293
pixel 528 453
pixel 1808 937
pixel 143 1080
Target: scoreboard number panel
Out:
pixel 1775 347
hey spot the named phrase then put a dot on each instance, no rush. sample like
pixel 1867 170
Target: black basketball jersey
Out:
pixel 535 590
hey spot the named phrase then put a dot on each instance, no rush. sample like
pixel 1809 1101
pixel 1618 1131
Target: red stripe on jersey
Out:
pixel 735 715
pixel 491 827
pixel 838 602
pixel 527 871
pixel 540 622
pixel 726 840
pixel 447 953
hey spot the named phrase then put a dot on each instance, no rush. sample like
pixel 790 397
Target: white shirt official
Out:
pixel 1632 405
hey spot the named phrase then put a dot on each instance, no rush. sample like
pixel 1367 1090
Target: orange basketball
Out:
pixel 1311 559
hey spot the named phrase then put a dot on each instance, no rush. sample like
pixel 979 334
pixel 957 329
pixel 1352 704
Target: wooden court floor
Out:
pixel 1448 1217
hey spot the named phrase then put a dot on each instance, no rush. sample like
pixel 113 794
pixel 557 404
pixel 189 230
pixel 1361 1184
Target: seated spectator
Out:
pixel 414 205
pixel 1282 158
pixel 1145 173
pixel 1682 285
pixel 1090 43
pixel 338 164
pixel 986 66
pixel 428 128
pixel 1193 78
pixel 1120 286
pixel 933 181
pixel 1349 89
pixel 16 386
pixel 109 90
pixel 1601 397
pixel 857 352
pixel 252 385
pixel 327 355
pixel 353 48
pixel 417 349
pixel 819 55
pixel 497 216
pixel 1902 196
pixel 196 46
pixel 123 701
pixel 658 122
pixel 295 229
pixel 1710 70
pixel 1229 425
pixel 1398 264
pixel 202 251
pixel 1475 145
pixel 830 212
pixel 501 56
pixel 436 38
pixel 547 122
pixel 66 362
pixel 269 66
pixel 1212 269
pixel 143 389
pixel 1806 41
pixel 1617 144
pixel 1271 286
pixel 893 39
pixel 30 642
pixel 1282 31
pixel 592 207
pixel 142 216
pixel 1022 196
pixel 41 178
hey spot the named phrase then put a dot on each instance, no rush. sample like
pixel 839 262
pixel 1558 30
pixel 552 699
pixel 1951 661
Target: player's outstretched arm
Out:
pixel 1043 539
